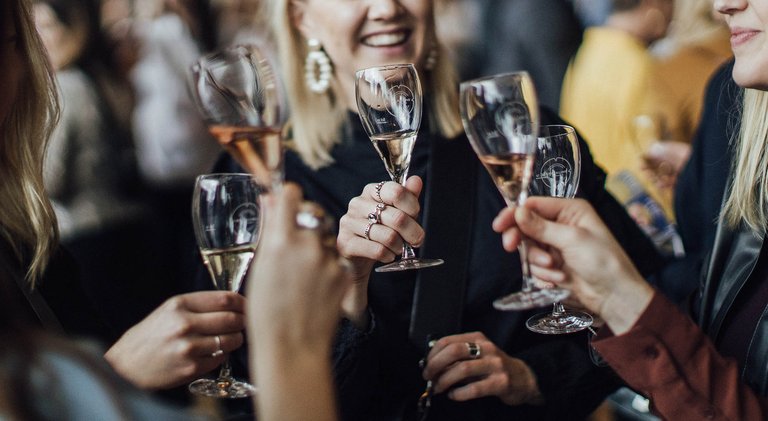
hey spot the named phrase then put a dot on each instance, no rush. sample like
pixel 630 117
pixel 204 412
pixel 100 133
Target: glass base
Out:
pixel 234 389
pixel 557 324
pixel 409 264
pixel 530 299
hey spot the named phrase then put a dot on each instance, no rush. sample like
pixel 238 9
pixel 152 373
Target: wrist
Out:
pixel 625 304
pixel 354 305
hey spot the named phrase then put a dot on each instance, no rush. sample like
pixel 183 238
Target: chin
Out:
pixel 748 75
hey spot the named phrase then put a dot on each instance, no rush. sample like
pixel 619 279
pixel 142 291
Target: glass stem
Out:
pixel 408 252
pixel 558 309
pixel 527 279
pixel 225 378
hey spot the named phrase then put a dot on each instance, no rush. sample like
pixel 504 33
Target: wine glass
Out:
pixel 501 117
pixel 226 218
pixel 236 91
pixel 389 104
pixel 556 173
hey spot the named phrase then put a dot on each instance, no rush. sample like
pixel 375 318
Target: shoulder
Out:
pixel 72 382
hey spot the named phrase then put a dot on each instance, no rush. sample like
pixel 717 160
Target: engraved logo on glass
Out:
pixel 400 101
pixel 555 174
pixel 245 223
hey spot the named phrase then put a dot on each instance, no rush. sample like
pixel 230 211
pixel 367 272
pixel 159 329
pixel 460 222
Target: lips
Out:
pixel 741 36
pixel 386 39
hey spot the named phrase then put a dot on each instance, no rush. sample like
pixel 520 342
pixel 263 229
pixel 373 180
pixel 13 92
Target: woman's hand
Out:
pixel 178 341
pixel 295 289
pixel 469 366
pixel 297 279
pixel 583 256
pixel 384 241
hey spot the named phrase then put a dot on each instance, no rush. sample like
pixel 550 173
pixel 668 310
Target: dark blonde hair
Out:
pixel 27 220
pixel 319 117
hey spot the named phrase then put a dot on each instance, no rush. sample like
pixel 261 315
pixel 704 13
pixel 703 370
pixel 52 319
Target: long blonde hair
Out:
pixel 27 220
pixel 748 192
pixel 317 119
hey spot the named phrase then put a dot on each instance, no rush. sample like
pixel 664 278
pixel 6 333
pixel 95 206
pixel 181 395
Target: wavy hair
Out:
pixel 27 220
pixel 319 118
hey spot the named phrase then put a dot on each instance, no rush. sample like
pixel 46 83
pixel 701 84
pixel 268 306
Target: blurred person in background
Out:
pixel 90 172
pixel 172 143
pixel 697 44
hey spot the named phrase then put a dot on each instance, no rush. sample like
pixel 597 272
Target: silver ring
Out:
pixel 474 350
pixel 375 216
pixel 367 232
pixel 378 191
pixel 219 351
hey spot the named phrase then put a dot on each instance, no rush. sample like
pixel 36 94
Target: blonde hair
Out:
pixel 748 192
pixel 27 220
pixel 317 119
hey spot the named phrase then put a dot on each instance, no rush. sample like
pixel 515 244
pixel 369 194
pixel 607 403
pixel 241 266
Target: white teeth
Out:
pixel 381 40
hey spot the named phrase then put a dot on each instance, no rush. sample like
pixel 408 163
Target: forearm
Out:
pixel 668 358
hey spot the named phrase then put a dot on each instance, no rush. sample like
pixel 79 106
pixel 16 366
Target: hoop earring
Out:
pixel 317 68
pixel 431 61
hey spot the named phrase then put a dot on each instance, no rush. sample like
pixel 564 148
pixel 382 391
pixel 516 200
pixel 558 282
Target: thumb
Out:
pixel 544 231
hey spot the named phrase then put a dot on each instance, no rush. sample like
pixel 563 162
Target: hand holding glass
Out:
pixel 556 173
pixel 226 217
pixel 389 104
pixel 237 93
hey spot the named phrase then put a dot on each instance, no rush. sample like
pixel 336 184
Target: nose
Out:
pixel 383 9
pixel 729 7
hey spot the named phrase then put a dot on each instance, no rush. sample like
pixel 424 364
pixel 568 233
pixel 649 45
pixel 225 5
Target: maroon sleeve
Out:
pixel 667 358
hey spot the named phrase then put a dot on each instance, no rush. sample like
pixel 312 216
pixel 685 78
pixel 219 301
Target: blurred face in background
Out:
pixel 364 33
pixel 12 68
pixel 64 43
pixel 748 22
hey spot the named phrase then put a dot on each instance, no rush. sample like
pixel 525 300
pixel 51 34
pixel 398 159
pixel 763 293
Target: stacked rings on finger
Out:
pixel 474 350
pixel 219 351
pixel 373 219
pixel 378 191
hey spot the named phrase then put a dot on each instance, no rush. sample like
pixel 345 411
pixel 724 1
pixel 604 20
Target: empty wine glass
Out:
pixel 226 217
pixel 556 173
pixel 501 117
pixel 389 104
pixel 238 95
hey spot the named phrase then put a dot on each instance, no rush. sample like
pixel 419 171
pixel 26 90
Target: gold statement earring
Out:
pixel 317 68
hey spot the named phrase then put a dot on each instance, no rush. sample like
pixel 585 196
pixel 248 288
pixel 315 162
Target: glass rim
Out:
pixel 385 67
pixel 496 76
pixel 224 174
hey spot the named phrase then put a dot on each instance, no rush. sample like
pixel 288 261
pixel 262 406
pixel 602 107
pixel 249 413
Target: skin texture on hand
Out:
pixel 295 289
pixel 576 251
pixel 398 223
pixel 494 373
pixel 175 343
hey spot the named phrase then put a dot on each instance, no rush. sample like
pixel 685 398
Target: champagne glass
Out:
pixel 556 173
pixel 226 218
pixel 389 104
pixel 236 91
pixel 501 117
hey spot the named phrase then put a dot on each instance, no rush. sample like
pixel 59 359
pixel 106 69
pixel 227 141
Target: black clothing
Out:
pixel 701 184
pixel 377 371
